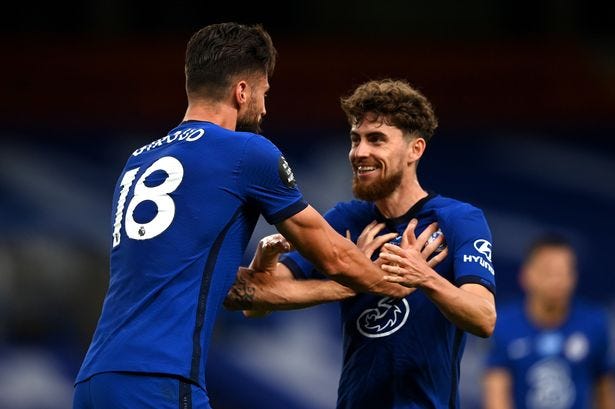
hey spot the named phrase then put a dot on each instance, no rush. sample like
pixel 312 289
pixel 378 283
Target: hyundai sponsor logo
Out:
pixel 483 247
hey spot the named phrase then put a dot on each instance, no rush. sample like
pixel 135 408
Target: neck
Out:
pixel 218 113
pixel 545 314
pixel 402 199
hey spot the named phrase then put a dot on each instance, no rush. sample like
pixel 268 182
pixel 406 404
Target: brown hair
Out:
pixel 396 103
pixel 218 52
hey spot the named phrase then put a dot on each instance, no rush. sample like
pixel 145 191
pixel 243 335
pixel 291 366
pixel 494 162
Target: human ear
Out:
pixel 241 92
pixel 417 147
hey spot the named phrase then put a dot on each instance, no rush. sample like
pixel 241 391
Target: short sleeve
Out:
pixel 469 236
pixel 268 181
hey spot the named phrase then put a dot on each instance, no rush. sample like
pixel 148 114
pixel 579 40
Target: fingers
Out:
pixel 397 275
pixel 393 279
pixel 391 249
pixel 433 245
pixel 370 231
pixel 275 243
pixel 380 240
pixel 393 269
pixel 369 241
pixel 408 237
pixel 435 260
pixel 422 239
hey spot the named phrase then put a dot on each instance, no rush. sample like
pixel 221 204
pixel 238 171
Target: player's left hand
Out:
pixel 413 261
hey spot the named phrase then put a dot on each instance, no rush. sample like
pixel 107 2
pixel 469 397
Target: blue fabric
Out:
pixel 114 390
pixel 554 367
pixel 181 226
pixel 405 353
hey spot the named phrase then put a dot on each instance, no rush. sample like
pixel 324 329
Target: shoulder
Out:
pixel 460 221
pixel 353 206
pixel 351 213
pixel 449 206
pixel 255 140
pixel 255 143
pixel 352 209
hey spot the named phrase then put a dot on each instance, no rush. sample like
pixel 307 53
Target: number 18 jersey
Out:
pixel 184 209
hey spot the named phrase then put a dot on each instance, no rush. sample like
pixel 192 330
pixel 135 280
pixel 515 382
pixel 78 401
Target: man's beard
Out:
pixel 249 122
pixel 248 125
pixel 378 189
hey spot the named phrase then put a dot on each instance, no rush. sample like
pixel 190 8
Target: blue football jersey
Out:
pixel 553 368
pixel 405 353
pixel 184 209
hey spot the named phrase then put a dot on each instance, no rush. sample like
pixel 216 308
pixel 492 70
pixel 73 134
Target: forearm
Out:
pixel 468 311
pixel 296 294
pixel 257 291
pixel 334 255
pixel 351 268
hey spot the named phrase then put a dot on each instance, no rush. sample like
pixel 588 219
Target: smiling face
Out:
pixel 379 158
pixel 251 114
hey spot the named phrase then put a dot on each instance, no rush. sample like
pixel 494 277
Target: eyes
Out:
pixel 375 138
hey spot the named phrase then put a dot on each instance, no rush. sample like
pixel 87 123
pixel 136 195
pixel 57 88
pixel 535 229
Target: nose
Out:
pixel 359 149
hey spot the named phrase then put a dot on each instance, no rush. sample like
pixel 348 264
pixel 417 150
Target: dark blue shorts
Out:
pixel 124 390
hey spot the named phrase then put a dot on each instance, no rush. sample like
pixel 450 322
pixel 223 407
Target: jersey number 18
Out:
pixel 158 194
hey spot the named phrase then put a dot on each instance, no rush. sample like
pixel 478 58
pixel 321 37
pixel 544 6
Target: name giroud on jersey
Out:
pixel 188 135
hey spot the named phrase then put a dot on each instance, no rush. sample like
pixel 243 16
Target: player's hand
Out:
pixel 368 241
pixel 268 252
pixel 412 262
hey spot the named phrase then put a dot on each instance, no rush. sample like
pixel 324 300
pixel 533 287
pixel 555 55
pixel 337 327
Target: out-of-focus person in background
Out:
pixel 402 353
pixel 185 207
pixel 550 350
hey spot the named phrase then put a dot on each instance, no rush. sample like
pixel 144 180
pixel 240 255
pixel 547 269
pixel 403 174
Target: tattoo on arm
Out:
pixel 241 295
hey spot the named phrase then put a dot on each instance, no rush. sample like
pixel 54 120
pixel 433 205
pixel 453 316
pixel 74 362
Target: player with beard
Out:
pixel 397 353
pixel 184 209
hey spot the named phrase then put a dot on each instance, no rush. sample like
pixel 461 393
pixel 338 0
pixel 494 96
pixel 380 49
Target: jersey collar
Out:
pixel 409 215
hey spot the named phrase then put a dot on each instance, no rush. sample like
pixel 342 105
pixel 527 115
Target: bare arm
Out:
pixel 257 290
pixel 269 285
pixel 470 307
pixel 605 392
pixel 336 256
pixel 497 388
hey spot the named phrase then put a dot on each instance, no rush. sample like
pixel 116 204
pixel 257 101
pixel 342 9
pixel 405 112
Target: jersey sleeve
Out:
pixel 268 181
pixel 299 265
pixel 469 238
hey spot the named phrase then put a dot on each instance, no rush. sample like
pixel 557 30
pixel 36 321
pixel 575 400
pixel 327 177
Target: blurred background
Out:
pixel 524 91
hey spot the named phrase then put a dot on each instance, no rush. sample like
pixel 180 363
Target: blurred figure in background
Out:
pixel 550 351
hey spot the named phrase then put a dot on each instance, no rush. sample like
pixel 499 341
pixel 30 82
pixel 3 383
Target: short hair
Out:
pixel 548 240
pixel 218 52
pixel 396 103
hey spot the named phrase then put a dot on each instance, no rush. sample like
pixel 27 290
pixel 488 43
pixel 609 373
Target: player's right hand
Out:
pixel 368 241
